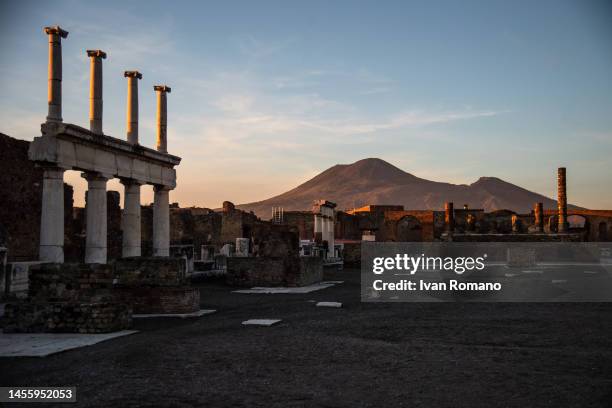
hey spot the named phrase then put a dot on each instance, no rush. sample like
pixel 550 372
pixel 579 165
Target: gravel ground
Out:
pixel 371 355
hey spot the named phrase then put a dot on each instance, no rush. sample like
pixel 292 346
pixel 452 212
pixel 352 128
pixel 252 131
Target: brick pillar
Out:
pixel 562 199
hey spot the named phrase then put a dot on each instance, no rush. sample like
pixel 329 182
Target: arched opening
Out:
pixel 409 229
pixel 577 221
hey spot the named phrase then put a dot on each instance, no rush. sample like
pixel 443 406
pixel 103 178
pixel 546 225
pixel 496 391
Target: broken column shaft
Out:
pixel 538 212
pixel 562 199
pixel 55 34
pixel 95 90
pixel 132 105
pixel 449 217
pixel 162 117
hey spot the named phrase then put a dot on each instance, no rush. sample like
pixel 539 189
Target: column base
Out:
pixel 51 253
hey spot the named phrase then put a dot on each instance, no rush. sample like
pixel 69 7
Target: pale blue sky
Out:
pixel 267 94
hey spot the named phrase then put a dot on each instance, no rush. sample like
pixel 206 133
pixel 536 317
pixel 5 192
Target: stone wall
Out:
pixel 75 298
pixel 155 285
pixel 161 300
pixel 274 271
pixel 63 317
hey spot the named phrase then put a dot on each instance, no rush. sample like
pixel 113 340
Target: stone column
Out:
pixel 449 217
pixel 130 222
pixel 318 227
pixel 52 216
pixel 95 211
pixel 55 35
pixel 562 199
pixel 161 221
pixel 162 117
pixel 95 90
pixel 330 235
pixel 538 212
pixel 132 105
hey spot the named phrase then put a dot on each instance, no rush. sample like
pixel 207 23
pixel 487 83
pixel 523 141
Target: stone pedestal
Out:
pixel 130 222
pixel 95 244
pixel 52 216
pixel 161 221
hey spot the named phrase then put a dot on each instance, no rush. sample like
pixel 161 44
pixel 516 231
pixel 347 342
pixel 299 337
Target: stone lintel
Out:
pixel 96 53
pixel 56 30
pixel 132 74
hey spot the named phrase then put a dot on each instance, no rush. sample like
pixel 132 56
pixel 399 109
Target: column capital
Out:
pixel 95 176
pixel 131 182
pixel 56 30
pixel 159 187
pixel 96 53
pixel 132 74
pixel 162 88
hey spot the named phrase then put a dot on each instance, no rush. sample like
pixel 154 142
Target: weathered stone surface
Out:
pixel 161 299
pixel 70 282
pixel 66 317
pixel 141 271
pixel 274 271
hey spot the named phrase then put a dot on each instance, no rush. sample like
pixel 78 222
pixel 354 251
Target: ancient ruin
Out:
pixel 101 295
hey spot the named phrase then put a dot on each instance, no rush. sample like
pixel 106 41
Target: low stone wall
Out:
pixel 153 271
pixel 70 282
pixel 68 298
pixel 162 299
pixel 274 271
pixel 155 285
pixel 66 317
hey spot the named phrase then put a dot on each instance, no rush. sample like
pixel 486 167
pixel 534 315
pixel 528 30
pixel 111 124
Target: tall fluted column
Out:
pixel 161 221
pixel 449 217
pixel 95 209
pixel 52 216
pixel 95 90
pixel 130 222
pixel 162 117
pixel 562 199
pixel 132 105
pixel 538 212
pixel 55 35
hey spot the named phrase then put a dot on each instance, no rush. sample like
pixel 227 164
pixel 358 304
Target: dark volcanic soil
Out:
pixel 375 355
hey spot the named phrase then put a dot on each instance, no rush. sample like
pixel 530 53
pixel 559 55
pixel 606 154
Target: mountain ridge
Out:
pixel 373 181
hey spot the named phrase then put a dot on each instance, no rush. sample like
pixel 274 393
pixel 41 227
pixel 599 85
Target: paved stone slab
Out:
pixel 260 322
pixel 44 344
pixel 285 290
pixel 329 304
pixel 199 313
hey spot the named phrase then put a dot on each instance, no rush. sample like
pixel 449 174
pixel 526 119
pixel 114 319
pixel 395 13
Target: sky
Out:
pixel 267 94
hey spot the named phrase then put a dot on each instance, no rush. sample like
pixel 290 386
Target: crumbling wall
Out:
pixel 274 271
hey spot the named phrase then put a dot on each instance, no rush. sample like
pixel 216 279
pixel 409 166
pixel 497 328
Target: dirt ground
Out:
pixel 363 355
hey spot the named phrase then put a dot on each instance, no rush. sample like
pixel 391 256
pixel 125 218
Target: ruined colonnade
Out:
pixel 100 157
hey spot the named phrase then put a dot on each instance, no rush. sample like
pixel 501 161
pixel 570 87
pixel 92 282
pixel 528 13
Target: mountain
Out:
pixel 374 181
